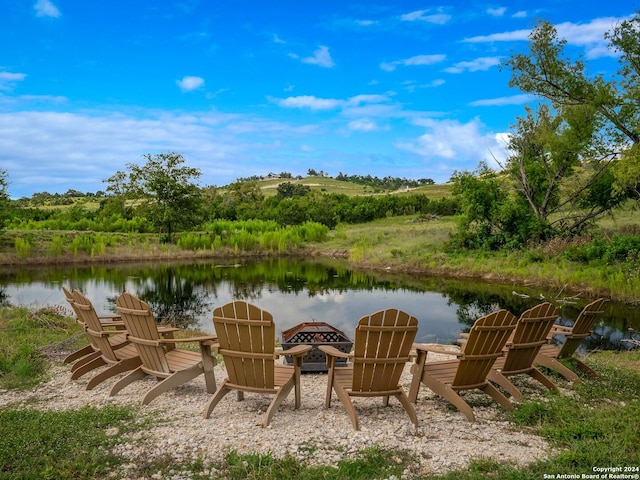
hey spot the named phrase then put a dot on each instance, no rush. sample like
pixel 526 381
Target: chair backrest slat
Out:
pixel 381 349
pixel 529 335
pixel 141 324
pixel 582 327
pixel 247 343
pixel 487 338
pixel 87 314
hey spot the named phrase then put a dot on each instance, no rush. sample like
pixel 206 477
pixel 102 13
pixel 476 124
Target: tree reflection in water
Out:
pixel 184 294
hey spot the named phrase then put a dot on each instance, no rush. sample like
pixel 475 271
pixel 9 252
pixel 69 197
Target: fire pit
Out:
pixel 315 334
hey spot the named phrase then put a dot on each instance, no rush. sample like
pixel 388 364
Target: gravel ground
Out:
pixel 444 440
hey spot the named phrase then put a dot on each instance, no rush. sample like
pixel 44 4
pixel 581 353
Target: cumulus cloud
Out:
pixel 497 12
pixel 363 125
pixel 425 16
pixel 456 144
pixel 589 35
pixel 321 57
pixel 44 8
pixel 413 61
pixel 500 101
pixel 9 79
pixel 312 102
pixel 481 63
pixel 188 84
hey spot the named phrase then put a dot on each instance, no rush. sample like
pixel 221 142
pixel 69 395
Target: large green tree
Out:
pixel 167 192
pixel 613 102
pixel 572 158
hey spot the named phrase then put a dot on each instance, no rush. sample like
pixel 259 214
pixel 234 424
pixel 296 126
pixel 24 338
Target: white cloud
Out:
pixel 314 103
pixel 8 79
pixel 85 148
pixel 321 57
pixel 363 125
pixel 497 12
pixel 309 101
pixel 588 35
pixel 44 8
pixel 413 61
pixel 512 36
pixel 520 14
pixel 481 63
pixel 456 144
pixel 424 16
pixel 512 100
pixel 188 84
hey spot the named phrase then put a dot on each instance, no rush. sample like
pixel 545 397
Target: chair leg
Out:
pixel 497 377
pixel 586 368
pixel 543 379
pixel 409 408
pixel 348 405
pixel 87 367
pixel 120 367
pixel 215 398
pixel 497 395
pixel 449 394
pixel 554 364
pixel 278 399
pixel 78 354
pixel 172 381
pixel 136 374
pixel 416 370
pixel 84 360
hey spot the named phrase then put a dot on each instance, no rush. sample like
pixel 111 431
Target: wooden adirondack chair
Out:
pixel 88 358
pixel 550 355
pixel 382 344
pixel 522 348
pixel 486 340
pixel 170 365
pixel 247 344
pixel 122 359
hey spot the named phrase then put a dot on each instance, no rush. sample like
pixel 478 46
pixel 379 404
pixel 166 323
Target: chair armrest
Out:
pixel 421 347
pixel 333 352
pixel 560 329
pixel 109 317
pixel 296 351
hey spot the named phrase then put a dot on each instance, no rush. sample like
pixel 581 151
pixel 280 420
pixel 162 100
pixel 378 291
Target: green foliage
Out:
pixel 372 463
pixel 170 198
pixel 22 333
pixel 23 247
pixel 61 444
pixel 618 248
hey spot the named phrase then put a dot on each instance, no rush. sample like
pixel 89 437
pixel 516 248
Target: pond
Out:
pixel 294 291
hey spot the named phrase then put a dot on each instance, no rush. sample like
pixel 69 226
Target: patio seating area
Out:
pixel 385 361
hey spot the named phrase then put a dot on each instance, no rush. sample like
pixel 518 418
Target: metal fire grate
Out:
pixel 315 333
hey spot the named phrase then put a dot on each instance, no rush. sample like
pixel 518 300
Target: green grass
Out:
pixel 24 333
pixel 62 445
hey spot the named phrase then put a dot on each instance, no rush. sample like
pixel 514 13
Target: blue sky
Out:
pixel 241 88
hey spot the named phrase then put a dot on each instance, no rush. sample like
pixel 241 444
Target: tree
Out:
pixel 547 72
pixel 170 198
pixel 572 159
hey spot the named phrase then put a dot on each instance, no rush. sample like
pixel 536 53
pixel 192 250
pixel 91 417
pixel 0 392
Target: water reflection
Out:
pixel 294 292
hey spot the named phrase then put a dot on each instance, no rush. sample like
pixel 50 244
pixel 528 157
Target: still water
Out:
pixel 295 291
